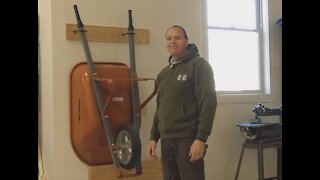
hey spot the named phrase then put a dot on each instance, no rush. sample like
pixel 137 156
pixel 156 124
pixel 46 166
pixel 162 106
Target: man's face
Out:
pixel 176 42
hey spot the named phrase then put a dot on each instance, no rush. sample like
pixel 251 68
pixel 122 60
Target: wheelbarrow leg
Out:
pixel 138 165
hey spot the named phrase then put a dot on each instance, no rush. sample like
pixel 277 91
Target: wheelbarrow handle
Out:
pixel 112 89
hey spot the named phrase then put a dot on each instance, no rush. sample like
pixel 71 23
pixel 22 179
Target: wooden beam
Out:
pixel 107 34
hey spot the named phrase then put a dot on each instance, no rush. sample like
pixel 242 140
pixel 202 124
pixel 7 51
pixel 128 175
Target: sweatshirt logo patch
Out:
pixel 181 77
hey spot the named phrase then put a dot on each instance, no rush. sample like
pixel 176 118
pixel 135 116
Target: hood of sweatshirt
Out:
pixel 192 51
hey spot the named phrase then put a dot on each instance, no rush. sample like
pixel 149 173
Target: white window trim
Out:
pixel 268 95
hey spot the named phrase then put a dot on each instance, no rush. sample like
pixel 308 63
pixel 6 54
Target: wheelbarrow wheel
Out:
pixel 129 147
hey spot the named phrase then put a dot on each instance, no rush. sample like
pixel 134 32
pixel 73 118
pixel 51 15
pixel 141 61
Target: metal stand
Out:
pixel 260 144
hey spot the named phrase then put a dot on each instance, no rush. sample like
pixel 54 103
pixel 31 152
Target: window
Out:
pixel 235 45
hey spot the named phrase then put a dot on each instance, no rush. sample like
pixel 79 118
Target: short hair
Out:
pixel 185 34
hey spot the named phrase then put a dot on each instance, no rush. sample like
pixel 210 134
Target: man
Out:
pixel 186 106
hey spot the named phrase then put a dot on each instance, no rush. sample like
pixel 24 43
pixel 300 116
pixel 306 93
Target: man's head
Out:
pixel 176 41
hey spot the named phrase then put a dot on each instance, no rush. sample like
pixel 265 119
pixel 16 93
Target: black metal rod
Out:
pixel 134 93
pixel 134 85
pixel 97 88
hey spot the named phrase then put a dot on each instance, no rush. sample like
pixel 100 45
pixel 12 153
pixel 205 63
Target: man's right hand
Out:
pixel 151 149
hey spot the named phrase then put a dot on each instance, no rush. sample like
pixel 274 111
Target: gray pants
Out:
pixel 176 163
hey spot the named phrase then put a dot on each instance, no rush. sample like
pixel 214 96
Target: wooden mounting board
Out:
pixel 107 34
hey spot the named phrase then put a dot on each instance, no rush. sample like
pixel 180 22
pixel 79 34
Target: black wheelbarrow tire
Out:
pixel 129 146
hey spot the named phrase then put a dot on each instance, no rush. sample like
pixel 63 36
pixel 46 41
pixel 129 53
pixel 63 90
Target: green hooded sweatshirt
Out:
pixel 186 99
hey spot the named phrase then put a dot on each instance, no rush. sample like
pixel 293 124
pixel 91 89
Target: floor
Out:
pixel 151 169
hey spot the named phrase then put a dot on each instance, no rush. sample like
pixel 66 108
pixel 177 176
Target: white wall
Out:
pixel 59 56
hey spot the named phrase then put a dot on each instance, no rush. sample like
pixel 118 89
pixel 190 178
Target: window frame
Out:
pixel 266 93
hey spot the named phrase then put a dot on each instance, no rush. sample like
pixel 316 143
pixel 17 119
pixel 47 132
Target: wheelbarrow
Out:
pixel 105 108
